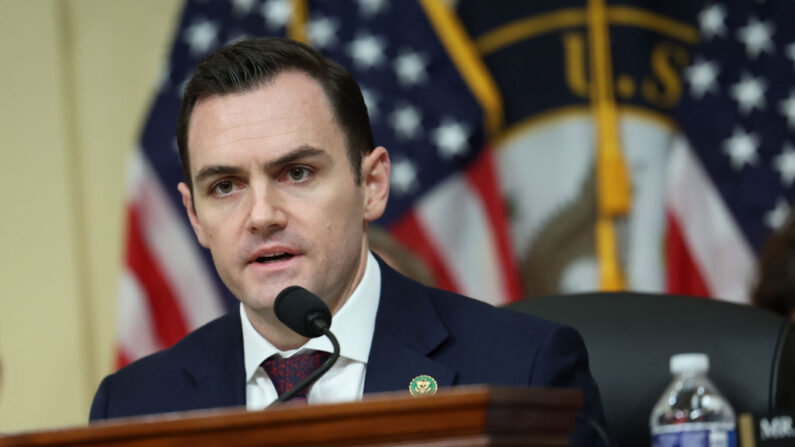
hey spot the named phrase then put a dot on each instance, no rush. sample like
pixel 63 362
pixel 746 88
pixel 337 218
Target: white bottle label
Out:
pixel 695 435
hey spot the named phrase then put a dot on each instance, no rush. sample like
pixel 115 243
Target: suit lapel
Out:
pixel 217 370
pixel 407 331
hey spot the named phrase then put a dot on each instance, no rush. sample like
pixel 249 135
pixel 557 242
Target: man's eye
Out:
pixel 298 174
pixel 224 187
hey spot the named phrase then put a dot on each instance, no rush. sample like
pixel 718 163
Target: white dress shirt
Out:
pixel 353 325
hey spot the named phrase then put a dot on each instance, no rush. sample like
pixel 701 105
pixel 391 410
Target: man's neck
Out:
pixel 279 335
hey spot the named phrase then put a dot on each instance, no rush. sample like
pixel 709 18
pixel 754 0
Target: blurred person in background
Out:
pixel 775 288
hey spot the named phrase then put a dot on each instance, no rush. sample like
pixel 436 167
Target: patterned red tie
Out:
pixel 287 373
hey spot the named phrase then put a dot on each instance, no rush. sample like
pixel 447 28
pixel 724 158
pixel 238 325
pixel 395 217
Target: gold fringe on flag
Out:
pixel 466 58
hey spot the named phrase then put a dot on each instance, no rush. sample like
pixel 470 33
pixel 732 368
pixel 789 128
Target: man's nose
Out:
pixel 265 210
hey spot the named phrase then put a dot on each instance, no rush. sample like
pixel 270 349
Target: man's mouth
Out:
pixel 275 257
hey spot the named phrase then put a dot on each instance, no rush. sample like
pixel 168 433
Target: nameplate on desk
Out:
pixel 767 430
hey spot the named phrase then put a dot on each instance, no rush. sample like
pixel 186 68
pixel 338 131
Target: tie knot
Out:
pixel 287 373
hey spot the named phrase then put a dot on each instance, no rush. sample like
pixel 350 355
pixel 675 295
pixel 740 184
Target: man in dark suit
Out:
pixel 281 178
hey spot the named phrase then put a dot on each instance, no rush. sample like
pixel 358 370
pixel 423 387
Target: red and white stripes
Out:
pixel 165 291
pixel 460 230
pixel 707 253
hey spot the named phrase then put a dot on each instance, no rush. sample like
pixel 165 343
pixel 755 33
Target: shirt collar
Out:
pixel 353 325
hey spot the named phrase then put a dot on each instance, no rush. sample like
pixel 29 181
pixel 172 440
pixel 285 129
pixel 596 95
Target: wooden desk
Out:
pixel 464 416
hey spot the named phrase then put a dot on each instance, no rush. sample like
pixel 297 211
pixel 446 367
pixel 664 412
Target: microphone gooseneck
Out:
pixel 306 314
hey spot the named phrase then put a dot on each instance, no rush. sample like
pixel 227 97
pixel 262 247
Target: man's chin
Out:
pixel 264 298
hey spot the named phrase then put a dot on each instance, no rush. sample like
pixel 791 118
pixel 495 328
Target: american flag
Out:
pixel 731 176
pixel 430 103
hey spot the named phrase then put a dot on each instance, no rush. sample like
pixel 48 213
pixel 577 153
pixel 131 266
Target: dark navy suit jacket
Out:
pixel 419 330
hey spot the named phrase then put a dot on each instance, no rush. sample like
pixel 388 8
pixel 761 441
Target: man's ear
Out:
pixel 375 178
pixel 187 202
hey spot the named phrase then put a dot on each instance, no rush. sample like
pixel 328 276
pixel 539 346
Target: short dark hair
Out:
pixel 775 287
pixel 253 63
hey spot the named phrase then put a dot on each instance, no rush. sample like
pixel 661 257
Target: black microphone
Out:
pixel 305 313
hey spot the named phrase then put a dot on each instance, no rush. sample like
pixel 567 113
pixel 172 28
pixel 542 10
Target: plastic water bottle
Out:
pixel 691 411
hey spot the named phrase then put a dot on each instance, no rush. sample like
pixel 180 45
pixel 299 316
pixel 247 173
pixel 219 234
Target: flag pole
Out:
pixel 612 178
pixel 296 27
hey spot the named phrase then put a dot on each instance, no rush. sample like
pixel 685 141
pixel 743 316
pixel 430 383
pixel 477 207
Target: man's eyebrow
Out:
pixel 300 153
pixel 214 171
